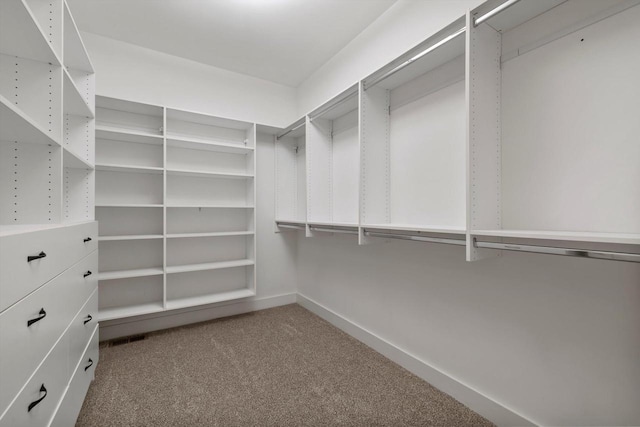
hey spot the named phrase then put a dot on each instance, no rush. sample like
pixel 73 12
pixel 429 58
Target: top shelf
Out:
pixel 17 19
pixel 115 133
pixel 75 53
pixel 338 106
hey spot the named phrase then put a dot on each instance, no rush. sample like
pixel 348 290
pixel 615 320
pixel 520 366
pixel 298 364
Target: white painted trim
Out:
pixel 171 319
pixel 474 399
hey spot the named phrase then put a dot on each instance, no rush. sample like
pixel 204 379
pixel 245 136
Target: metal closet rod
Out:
pixel 580 253
pixel 332 230
pixel 430 49
pixel 293 127
pixel 493 12
pixel 333 105
pixel 416 238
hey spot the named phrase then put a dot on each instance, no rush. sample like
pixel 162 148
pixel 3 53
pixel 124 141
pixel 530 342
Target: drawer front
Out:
pixel 29 328
pixel 81 329
pixel 62 247
pixel 69 409
pixel 52 376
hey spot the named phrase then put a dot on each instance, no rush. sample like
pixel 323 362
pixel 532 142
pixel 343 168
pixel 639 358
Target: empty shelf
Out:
pixel 208 145
pixel 209 266
pixel 125 274
pixel 129 237
pixel 128 205
pixel 130 135
pixel 575 236
pixel 133 310
pixel 209 299
pixel 211 234
pixel 206 174
pixel 418 228
pixel 74 103
pixel 205 205
pixel 15 125
pixel 126 168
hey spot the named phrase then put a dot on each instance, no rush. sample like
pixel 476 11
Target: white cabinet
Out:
pixel 175 198
pixel 48 236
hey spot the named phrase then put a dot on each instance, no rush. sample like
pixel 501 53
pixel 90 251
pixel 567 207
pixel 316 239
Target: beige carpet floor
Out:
pixel 278 367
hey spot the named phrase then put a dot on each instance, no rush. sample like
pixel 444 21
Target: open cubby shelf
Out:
pixel 184 201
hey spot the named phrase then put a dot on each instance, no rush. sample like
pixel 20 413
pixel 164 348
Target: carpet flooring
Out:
pixel 279 367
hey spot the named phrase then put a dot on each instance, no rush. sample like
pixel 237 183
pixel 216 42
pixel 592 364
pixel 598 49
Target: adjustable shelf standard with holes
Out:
pixel 333 157
pixel 413 138
pixel 546 162
pixel 291 174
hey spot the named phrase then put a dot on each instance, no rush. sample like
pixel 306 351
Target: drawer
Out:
pixel 81 329
pixel 51 376
pixel 55 304
pixel 62 247
pixel 71 404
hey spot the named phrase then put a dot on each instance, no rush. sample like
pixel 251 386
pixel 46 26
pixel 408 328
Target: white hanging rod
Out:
pixel 290 225
pixel 493 12
pixel 431 48
pixel 333 230
pixel 416 238
pixel 341 99
pixel 297 125
pixel 581 253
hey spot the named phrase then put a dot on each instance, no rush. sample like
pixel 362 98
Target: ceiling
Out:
pixel 283 41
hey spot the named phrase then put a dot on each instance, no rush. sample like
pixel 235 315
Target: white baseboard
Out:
pixel 171 319
pixel 483 405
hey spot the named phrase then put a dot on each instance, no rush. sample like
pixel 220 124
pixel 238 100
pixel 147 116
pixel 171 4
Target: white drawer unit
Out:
pixel 71 403
pixel 30 327
pixel 31 259
pixel 82 328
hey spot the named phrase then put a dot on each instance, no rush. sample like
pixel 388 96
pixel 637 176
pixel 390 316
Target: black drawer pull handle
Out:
pixel 88 239
pixel 42 314
pixel 88 319
pixel 89 365
pixel 33 404
pixel 35 257
pixel 88 273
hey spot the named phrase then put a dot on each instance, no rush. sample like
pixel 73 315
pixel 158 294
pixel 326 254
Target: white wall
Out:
pixel 132 72
pixel 554 339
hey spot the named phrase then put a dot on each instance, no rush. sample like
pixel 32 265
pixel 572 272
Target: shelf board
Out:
pixel 17 19
pixel 75 53
pixel 15 125
pixel 571 236
pixel 423 229
pixel 72 160
pixel 195 205
pixel 333 224
pixel 73 101
pixel 211 234
pixel 209 266
pixel 128 168
pixel 128 205
pixel 129 237
pixel 292 221
pixel 209 299
pixel 115 133
pixel 205 174
pixel 126 274
pixel 207 145
pixel 128 311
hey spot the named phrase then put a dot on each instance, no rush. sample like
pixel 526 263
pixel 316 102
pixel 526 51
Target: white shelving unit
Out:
pixel 485 135
pixel 333 151
pixel 561 170
pixel 175 200
pixel 413 139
